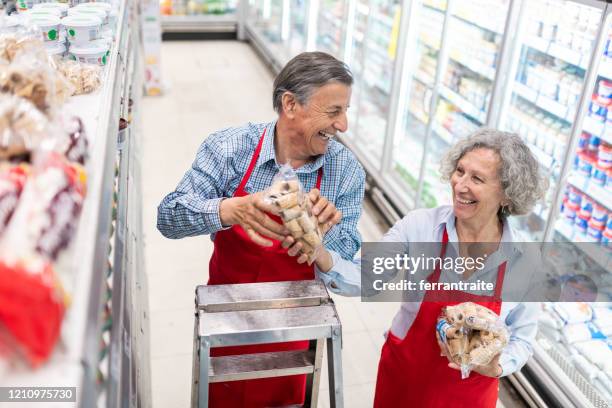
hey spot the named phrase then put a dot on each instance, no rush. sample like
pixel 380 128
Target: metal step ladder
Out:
pixel 258 313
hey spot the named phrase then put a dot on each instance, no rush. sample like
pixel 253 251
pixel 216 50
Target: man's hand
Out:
pixel 327 214
pixel 493 369
pixel 249 213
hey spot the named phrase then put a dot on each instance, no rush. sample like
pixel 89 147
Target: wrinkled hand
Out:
pixel 493 369
pixel 326 212
pixel 250 213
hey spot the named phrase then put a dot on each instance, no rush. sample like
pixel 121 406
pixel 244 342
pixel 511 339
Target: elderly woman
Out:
pixel 492 175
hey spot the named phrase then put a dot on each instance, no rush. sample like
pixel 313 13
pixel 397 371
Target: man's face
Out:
pixel 323 114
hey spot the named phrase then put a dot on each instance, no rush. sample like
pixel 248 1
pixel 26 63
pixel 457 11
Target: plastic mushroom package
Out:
pixel 470 335
pixel 295 209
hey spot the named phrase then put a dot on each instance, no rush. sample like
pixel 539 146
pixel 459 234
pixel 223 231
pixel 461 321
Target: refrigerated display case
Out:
pixel 298 19
pixel 199 16
pixel 540 68
pixel 330 26
pixel 103 348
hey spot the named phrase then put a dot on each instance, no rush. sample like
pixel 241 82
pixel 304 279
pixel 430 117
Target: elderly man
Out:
pixel 222 195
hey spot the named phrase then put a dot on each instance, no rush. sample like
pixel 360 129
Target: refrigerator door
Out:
pixel 331 23
pixel 298 17
pixel 267 17
pixel 554 44
pixel 470 57
pixel 374 46
pixel 420 66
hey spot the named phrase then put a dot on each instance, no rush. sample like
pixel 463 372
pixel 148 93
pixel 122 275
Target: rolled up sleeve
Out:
pixel 193 208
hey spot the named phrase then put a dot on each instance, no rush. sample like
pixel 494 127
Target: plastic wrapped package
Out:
pixel 471 335
pixel 597 352
pixel 573 333
pixel 85 78
pixel 76 145
pixel 32 298
pixel 12 180
pixel 574 312
pixel 23 41
pixel 35 81
pixel 22 127
pixel 287 194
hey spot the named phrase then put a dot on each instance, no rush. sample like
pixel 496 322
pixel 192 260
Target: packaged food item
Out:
pixel 573 333
pixel 471 335
pixel 56 49
pixel 49 25
pixel 92 53
pixel 85 78
pixel 88 11
pixel 23 41
pixel 12 180
pixel 22 127
pixel 49 205
pixel 61 7
pixel 598 352
pixel 287 194
pixel 82 28
pixel 574 312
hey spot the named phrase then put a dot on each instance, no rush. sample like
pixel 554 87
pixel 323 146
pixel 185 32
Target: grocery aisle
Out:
pixel 212 85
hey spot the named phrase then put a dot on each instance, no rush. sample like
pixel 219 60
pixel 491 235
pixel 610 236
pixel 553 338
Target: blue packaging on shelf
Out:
pixel 594 143
pixel 583 141
pixel 586 164
pixel 600 215
pixel 586 209
pixel 569 211
pixel 574 196
pixel 581 224
pixel 594 232
pixel 599 175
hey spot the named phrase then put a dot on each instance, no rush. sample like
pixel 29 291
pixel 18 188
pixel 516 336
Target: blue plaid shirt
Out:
pixel 221 162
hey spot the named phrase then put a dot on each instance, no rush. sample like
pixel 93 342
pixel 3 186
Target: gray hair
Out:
pixel 305 73
pixel 522 182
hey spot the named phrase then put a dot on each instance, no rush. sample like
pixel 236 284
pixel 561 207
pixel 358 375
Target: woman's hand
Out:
pixel 493 369
pixel 326 212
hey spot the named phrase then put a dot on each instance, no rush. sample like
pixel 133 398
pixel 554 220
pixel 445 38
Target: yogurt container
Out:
pixel 82 28
pixel 11 23
pixel 56 49
pixel 48 24
pixel 583 142
pixel 93 53
pixel 62 8
pixel 87 11
pixel 586 209
pixel 594 143
pixel 43 12
pixel 569 211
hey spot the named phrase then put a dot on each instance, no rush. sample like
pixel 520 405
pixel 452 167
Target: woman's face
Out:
pixel 477 189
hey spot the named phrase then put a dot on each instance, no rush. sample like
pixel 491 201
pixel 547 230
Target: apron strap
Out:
pixel 499 281
pixel 319 178
pixel 254 158
pixel 435 276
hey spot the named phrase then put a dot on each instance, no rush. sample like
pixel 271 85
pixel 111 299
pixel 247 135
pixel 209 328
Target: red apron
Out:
pixel 237 259
pixel 411 372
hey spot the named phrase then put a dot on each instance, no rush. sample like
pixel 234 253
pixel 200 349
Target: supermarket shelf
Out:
pixel 543 102
pixel 444 134
pixel 328 16
pixel 74 361
pixel 462 104
pixel 227 23
pixel 596 128
pixel 592 250
pixel 418 115
pixel 474 65
pixel 542 157
pixel 558 51
pixel 480 23
pixel 597 193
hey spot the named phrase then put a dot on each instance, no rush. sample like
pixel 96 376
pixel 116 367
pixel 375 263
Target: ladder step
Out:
pixel 258 296
pixel 260 365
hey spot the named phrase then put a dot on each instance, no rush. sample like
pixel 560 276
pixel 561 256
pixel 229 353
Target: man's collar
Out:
pixel 268 152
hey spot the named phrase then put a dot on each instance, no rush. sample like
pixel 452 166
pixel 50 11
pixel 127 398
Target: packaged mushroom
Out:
pixel 295 209
pixel 471 335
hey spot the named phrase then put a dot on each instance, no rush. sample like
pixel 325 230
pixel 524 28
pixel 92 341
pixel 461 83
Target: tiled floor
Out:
pixel 211 85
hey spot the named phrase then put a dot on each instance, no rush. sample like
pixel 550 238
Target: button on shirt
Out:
pixel 221 162
pixel 427 225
